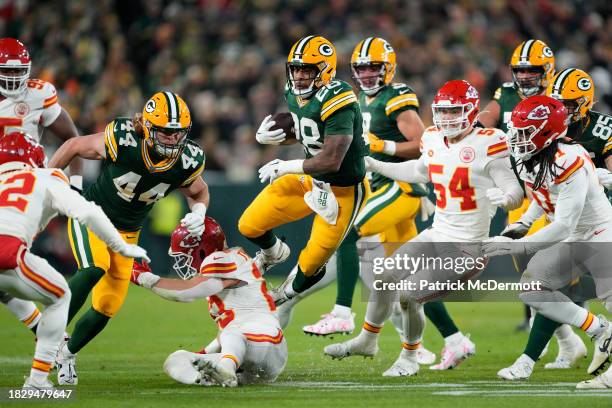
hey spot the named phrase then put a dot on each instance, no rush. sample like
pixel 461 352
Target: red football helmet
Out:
pixel 15 66
pixel 19 151
pixel 535 123
pixel 455 107
pixel 188 251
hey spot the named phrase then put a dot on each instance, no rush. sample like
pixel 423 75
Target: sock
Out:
pixel 88 327
pixel 453 338
pixel 591 325
pixel 342 311
pixel 564 334
pixel 40 370
pixel 348 269
pixel 229 362
pixel 539 336
pixel 265 241
pixel 303 282
pixel 80 285
pixel 369 332
pixel 26 311
pixel 409 350
pixel 436 312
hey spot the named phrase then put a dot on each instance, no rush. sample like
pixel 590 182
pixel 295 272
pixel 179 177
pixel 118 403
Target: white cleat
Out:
pixel 279 293
pixel 454 353
pixel 403 367
pixel 602 381
pixel 568 355
pixel 352 347
pixel 424 356
pixel 210 368
pixel 266 262
pixel 66 367
pixel 602 347
pixel 31 384
pixel 520 370
pixel 331 324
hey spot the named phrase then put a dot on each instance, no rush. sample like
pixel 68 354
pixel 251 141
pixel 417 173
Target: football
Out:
pixel 285 121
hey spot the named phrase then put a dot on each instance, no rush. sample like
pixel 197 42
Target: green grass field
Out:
pixel 123 366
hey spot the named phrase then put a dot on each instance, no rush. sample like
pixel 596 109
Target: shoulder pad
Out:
pixel 494 140
pixel 193 161
pixel 335 96
pixel 401 97
pixel 119 134
pixel 232 263
pixel 43 91
pixel 55 174
pixel 570 158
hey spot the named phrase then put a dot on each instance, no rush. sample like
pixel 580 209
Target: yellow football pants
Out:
pixel 283 201
pixel 90 251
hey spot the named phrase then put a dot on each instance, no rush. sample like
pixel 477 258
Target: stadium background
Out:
pixel 226 59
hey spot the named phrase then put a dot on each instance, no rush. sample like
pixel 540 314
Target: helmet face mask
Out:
pixel 532 65
pixel 161 139
pixel 15 67
pixel 529 79
pixel 369 77
pixel 455 108
pixel 311 64
pixel 373 64
pixel 520 141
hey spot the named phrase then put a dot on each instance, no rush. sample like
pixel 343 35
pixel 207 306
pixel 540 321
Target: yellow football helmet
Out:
pixel 316 52
pixel 166 113
pixel 575 88
pixel 374 51
pixel 535 56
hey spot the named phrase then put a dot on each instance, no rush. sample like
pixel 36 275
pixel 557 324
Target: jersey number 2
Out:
pixel 459 187
pixel 8 197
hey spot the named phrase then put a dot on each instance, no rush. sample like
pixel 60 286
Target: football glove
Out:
pixel 497 197
pixel 266 136
pixel 497 246
pixel 605 177
pixel 516 230
pixel 278 168
pixel 378 145
pixel 132 251
pixel 194 221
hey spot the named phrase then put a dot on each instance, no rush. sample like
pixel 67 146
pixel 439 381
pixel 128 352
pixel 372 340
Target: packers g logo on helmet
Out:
pixel 166 113
pixel 373 51
pixel 575 89
pixel 532 55
pixel 314 52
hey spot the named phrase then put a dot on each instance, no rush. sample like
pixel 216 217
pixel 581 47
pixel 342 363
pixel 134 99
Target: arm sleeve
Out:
pixel 568 208
pixel 201 289
pixel 411 171
pixel 501 172
pixel 71 204
pixel 532 214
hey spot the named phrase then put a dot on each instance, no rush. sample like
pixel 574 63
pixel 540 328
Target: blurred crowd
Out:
pixel 226 58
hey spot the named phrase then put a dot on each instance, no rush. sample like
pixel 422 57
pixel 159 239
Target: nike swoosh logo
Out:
pixel 337 91
pixel 215 258
pixel 403 92
pixel 599 232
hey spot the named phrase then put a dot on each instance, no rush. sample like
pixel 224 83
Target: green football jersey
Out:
pixel 380 118
pixel 508 97
pixel 133 178
pixel 333 110
pixel 594 133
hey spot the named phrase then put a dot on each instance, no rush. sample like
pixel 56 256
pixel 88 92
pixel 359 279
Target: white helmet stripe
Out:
pixel 172 107
pixel 526 49
pixel 558 85
pixel 300 47
pixel 366 47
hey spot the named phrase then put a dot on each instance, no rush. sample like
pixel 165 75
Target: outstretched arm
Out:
pixel 87 147
pixel 411 171
pixel 199 287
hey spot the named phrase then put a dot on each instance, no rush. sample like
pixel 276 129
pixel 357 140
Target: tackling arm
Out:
pixel 190 290
pixel 411 171
pixel 87 147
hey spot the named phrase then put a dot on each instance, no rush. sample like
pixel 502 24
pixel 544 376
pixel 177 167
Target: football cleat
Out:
pixel 424 356
pixel 32 384
pixel 209 367
pixel 268 261
pixel 601 381
pixel 279 293
pixel 601 352
pixel 569 355
pixel 66 366
pixel 454 353
pixel 403 367
pixel 352 347
pixel 331 324
pixel 521 369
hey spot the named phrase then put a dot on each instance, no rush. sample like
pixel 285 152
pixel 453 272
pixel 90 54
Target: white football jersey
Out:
pixel 28 201
pixel 460 178
pixel 36 108
pixel 246 302
pixel 572 158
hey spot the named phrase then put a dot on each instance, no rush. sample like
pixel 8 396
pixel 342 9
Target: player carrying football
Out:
pixel 143 160
pixel 30 196
pixel 250 337
pixel 566 188
pixel 329 182
pixel 30 105
pixel 471 173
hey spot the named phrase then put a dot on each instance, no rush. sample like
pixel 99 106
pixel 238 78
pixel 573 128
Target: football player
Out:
pixel 593 130
pixel 566 188
pixel 471 173
pixel 144 159
pixel 29 105
pixel 30 196
pixel 250 337
pixel 329 182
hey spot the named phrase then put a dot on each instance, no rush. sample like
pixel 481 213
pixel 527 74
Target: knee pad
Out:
pixel 109 295
pixel 247 228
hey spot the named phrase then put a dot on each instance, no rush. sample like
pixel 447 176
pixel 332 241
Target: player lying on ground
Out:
pixel 565 187
pixel 250 346
pixel 471 173
pixel 30 196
